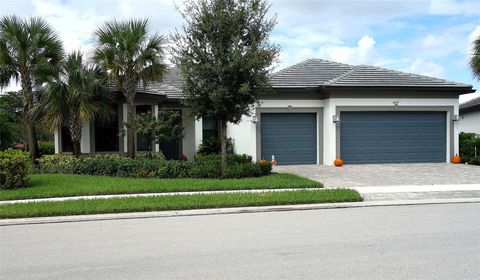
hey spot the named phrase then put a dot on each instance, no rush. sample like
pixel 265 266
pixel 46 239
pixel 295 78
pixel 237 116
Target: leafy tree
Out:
pixel 130 56
pixel 225 56
pixel 28 48
pixel 167 126
pixel 10 119
pixel 77 95
pixel 475 59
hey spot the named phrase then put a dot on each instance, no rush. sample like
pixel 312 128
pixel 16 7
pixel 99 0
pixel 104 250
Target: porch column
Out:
pixel 58 140
pixel 156 147
pixel 85 140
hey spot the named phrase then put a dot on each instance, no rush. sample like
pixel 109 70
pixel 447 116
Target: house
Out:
pixel 470 116
pixel 318 111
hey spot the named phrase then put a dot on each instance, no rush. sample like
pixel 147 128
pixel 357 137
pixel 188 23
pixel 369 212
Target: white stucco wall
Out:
pixel 469 122
pixel 243 136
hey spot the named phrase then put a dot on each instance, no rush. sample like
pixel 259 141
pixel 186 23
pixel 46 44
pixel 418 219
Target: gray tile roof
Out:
pixel 471 105
pixel 313 73
pixel 319 72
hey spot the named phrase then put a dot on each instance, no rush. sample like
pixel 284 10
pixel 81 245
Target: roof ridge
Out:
pixel 410 74
pixel 332 81
pixel 308 60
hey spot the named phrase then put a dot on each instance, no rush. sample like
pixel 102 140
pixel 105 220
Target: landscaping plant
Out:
pixel 167 126
pixel 29 49
pixel 14 169
pixel 75 95
pixel 225 56
pixel 468 142
pixel 130 56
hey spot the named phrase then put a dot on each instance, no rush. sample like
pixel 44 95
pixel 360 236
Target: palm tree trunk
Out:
pixel 32 140
pixel 131 128
pixel 75 128
pixel 28 119
pixel 76 148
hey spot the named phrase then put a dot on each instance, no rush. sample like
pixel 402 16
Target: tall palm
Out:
pixel 76 96
pixel 27 48
pixel 475 59
pixel 130 56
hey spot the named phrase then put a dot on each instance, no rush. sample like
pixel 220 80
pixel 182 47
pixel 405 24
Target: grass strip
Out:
pixel 176 202
pixel 62 185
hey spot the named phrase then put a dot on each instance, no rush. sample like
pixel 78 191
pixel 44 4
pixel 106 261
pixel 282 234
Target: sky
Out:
pixel 427 37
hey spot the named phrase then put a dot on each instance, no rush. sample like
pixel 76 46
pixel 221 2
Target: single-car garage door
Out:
pixel 291 137
pixel 392 137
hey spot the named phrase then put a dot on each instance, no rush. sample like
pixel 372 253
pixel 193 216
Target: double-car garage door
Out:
pixel 365 137
pixel 393 137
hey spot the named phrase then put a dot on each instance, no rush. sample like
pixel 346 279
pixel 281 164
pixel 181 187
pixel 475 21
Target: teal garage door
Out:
pixel 291 137
pixel 393 137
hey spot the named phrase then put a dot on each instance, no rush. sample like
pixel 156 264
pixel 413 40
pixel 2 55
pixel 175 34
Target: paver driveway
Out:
pixel 368 175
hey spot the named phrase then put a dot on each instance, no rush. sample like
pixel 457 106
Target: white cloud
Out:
pixel 427 68
pixel 453 7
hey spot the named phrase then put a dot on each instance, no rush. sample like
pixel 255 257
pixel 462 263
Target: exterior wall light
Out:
pixel 336 119
pixel 254 119
pixel 455 118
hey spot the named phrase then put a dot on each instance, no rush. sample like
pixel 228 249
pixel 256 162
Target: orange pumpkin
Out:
pixel 262 161
pixel 338 162
pixel 456 159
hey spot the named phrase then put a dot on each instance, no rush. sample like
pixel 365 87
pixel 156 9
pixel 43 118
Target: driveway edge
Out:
pixel 218 211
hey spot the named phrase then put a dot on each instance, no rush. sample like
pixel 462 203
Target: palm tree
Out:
pixel 475 60
pixel 76 96
pixel 27 47
pixel 130 56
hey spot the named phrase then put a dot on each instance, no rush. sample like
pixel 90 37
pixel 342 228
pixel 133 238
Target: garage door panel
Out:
pixel 291 137
pixel 382 137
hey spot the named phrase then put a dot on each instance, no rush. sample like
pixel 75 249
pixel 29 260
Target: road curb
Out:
pixel 219 211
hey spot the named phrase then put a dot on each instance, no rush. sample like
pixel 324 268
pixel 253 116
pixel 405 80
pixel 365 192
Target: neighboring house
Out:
pixel 470 116
pixel 318 111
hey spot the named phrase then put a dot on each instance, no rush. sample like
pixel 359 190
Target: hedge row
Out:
pixel 239 166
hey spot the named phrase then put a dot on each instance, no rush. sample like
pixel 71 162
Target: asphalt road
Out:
pixel 401 242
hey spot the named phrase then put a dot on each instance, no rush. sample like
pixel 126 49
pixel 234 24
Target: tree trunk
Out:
pixel 223 143
pixel 28 118
pixel 76 148
pixel 32 139
pixel 131 128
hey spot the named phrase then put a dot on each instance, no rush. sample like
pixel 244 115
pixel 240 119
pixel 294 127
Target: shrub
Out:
pixel 467 144
pixel 212 146
pixel 266 167
pixel 46 148
pixel 58 163
pixel 14 168
pixel 475 160
pixel 231 158
pixel 121 166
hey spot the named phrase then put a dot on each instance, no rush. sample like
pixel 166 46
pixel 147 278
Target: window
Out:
pixel 209 127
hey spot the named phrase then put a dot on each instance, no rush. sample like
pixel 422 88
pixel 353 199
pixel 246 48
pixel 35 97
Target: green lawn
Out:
pixel 175 202
pixel 61 185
